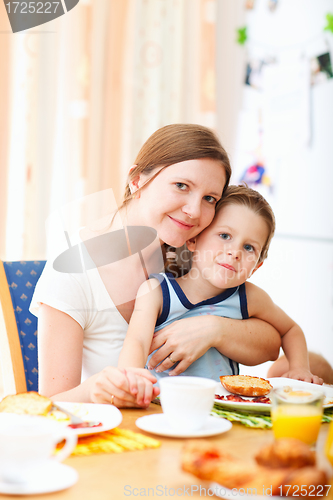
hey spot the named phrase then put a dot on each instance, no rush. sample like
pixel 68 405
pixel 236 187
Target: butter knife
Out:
pixel 76 422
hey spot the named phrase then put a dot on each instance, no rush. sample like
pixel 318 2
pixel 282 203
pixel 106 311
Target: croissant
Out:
pixel 286 452
pixel 208 462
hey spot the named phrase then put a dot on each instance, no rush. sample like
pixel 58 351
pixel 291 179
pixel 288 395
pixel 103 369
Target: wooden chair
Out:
pixel 18 327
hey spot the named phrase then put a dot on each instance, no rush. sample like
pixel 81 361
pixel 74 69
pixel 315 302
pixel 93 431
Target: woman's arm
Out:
pixel 250 342
pixel 60 347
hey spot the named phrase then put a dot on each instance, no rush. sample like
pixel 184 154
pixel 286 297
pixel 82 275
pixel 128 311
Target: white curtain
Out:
pixel 87 93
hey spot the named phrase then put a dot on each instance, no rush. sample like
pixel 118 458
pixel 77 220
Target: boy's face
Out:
pixel 228 251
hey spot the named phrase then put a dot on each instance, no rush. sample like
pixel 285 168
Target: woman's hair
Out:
pixel 243 195
pixel 173 144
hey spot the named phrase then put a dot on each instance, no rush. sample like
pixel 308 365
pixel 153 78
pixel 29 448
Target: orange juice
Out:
pixel 329 444
pixel 300 422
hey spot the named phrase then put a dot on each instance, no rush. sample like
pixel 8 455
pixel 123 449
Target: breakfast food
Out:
pixel 245 385
pixel 208 462
pixel 286 452
pixel 238 399
pixel 313 481
pixel 30 403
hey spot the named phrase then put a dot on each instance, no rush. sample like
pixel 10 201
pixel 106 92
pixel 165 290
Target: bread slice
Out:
pixel 30 403
pixel 244 385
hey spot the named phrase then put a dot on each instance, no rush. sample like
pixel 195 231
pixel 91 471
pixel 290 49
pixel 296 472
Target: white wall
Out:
pixel 299 271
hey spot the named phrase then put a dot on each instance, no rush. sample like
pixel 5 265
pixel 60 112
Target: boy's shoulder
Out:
pixel 149 285
pixel 256 298
pixel 149 298
pixel 251 287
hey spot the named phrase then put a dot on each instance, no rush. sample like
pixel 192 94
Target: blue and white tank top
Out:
pixel 231 303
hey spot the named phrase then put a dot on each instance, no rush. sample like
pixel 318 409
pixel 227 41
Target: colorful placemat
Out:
pixel 114 441
pixel 256 420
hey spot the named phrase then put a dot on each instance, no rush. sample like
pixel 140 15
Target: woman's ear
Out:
pixel 134 184
pixel 132 168
pixel 191 244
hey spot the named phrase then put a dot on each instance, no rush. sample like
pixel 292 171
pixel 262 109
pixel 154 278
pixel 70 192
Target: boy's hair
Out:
pixel 243 195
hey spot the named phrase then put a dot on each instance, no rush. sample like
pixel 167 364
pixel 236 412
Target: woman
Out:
pixel 178 177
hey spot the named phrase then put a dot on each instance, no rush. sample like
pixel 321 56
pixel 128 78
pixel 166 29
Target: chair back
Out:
pixel 17 324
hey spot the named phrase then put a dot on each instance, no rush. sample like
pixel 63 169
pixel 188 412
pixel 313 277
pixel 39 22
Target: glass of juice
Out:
pixel 297 413
pixel 329 444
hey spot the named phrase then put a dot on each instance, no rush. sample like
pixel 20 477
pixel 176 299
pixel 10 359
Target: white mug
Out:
pixel 187 401
pixel 28 442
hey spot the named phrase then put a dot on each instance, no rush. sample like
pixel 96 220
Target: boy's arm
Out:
pixel 260 305
pixel 140 331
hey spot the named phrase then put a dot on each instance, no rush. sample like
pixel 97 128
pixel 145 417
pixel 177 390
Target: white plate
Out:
pixel 158 424
pixel 276 382
pixel 53 476
pixel 239 494
pixel 108 415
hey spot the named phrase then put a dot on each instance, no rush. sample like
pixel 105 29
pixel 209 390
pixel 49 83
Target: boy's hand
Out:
pixel 141 385
pixel 304 375
pixel 125 388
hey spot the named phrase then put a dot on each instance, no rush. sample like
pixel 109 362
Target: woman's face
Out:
pixel 180 202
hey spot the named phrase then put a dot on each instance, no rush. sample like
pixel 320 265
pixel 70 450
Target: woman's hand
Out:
pixel 185 341
pixel 130 387
pixel 250 341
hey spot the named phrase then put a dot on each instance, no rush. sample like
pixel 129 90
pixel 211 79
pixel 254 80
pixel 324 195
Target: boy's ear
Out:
pixel 257 267
pixel 191 244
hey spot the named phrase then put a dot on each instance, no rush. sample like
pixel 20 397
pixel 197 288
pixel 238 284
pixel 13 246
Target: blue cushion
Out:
pixel 22 278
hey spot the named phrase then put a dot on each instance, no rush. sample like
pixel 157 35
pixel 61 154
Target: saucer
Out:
pixel 158 424
pixel 53 476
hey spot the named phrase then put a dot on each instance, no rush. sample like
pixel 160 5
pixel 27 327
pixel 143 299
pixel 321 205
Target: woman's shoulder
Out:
pixel 67 292
pixel 51 277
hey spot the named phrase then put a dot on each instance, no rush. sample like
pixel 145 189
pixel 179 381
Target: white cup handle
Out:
pixel 71 440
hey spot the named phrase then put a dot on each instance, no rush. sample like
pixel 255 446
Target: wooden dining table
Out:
pixel 157 473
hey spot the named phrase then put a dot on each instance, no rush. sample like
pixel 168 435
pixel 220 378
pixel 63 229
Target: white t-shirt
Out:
pixel 83 296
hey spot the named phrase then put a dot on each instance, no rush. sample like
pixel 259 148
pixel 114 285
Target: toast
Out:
pixel 26 403
pixel 244 385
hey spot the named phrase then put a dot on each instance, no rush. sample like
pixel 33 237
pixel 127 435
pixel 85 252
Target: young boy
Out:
pixel 225 255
